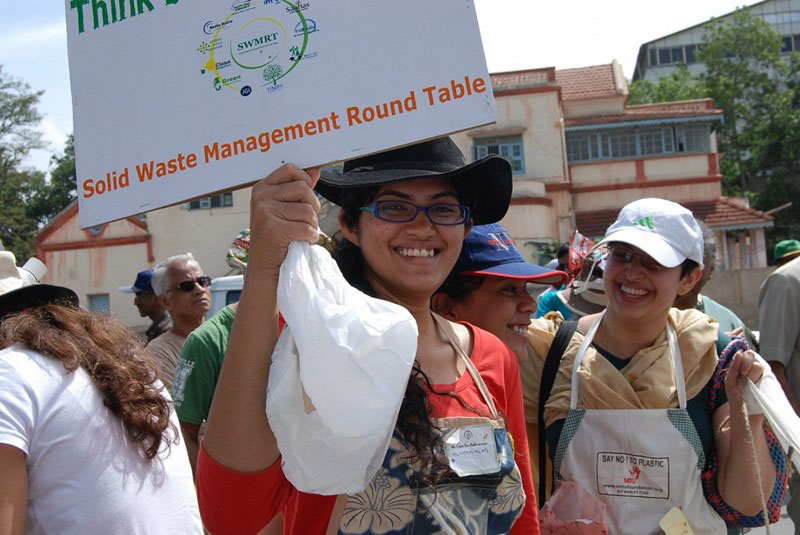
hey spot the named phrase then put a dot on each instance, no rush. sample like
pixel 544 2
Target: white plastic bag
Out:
pixel 767 397
pixel 338 375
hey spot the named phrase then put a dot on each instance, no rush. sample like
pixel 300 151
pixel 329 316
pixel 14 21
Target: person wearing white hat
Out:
pixel 677 411
pixel 88 440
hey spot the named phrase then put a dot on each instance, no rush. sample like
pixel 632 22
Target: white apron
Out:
pixel 640 462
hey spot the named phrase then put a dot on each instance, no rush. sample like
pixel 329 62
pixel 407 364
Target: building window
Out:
pixel 99 303
pixel 621 144
pixel 674 56
pixel 509 147
pixel 787 44
pixel 692 139
pixel 797 43
pixel 655 141
pixel 786 17
pixel 96 230
pixel 690 50
pixel 223 200
pixel 577 148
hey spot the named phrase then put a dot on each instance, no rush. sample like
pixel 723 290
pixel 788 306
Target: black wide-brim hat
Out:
pixel 487 181
pixel 35 296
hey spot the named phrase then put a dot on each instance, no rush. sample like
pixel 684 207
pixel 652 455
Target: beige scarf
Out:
pixel 646 381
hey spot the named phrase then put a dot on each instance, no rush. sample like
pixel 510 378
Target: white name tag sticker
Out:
pixel 635 476
pixel 471 450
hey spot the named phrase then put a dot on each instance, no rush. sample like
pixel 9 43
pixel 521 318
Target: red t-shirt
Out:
pixel 236 502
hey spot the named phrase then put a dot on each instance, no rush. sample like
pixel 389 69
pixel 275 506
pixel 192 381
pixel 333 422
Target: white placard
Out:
pixel 175 99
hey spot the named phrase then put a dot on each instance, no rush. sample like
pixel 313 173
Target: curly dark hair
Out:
pixel 414 423
pixel 111 355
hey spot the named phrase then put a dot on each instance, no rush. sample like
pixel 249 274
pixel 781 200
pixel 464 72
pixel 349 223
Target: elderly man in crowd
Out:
pixel 183 289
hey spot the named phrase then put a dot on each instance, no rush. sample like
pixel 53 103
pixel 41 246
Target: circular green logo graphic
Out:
pixel 257 46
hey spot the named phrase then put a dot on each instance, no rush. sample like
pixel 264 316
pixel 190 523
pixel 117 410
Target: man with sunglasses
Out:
pixel 183 289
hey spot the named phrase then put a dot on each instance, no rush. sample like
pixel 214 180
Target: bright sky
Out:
pixel 517 34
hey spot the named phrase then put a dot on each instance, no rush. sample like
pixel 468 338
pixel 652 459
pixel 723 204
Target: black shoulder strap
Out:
pixel 551 364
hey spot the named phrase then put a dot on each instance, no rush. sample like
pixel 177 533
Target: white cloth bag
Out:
pixel 338 375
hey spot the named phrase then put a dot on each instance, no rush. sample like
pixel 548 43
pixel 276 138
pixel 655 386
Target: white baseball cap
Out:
pixel 663 229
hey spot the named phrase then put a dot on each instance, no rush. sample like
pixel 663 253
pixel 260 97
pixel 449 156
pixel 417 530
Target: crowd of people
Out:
pixel 627 382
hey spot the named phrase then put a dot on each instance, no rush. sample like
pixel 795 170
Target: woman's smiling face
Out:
pixel 638 287
pixel 409 261
pixel 501 306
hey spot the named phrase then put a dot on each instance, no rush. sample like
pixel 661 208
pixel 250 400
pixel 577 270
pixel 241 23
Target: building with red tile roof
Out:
pixel 722 213
pixel 598 81
pixel 579 153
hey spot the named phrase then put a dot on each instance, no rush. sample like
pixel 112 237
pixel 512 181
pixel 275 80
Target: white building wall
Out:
pixel 536 118
pixel 207 234
pixel 100 270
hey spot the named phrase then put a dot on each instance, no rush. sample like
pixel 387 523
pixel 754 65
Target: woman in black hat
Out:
pixel 405 214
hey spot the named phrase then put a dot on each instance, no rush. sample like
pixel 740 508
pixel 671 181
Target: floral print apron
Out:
pixel 481 494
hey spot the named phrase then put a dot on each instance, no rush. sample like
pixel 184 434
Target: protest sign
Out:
pixel 176 99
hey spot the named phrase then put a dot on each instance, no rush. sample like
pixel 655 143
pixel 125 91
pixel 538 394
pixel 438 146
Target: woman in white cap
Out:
pixel 88 438
pixel 405 214
pixel 676 438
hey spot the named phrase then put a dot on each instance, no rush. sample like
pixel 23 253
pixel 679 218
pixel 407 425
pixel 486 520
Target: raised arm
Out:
pixel 283 208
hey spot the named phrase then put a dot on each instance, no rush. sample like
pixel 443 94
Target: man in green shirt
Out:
pixel 197 372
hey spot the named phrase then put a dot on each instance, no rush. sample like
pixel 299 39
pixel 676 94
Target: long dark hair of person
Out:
pixel 113 358
pixel 414 422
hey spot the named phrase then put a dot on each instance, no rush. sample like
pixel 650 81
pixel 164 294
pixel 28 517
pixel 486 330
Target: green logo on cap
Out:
pixel 646 221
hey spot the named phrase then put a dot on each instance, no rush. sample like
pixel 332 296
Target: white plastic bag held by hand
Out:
pixel 338 375
pixel 767 397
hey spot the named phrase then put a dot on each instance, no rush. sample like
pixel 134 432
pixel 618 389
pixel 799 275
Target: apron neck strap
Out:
pixel 447 329
pixel 674 351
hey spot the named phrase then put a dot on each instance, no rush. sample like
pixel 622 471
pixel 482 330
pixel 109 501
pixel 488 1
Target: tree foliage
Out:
pixel 758 90
pixel 17 227
pixel 28 200
pixel 679 85
pixel 744 74
pixel 61 188
pixel 19 119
